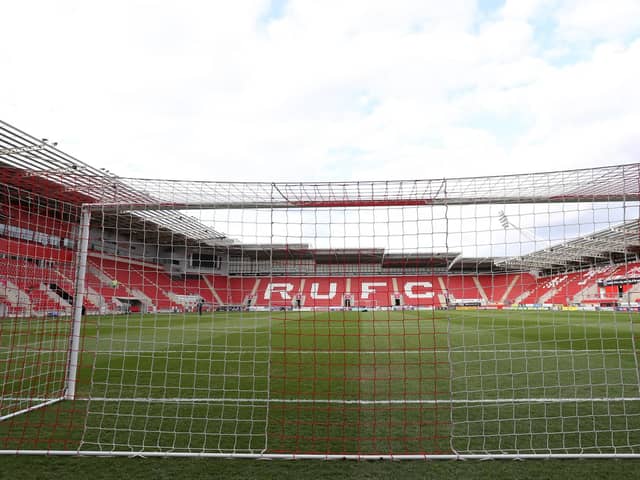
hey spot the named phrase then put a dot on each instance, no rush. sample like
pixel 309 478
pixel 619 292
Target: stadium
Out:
pixel 449 318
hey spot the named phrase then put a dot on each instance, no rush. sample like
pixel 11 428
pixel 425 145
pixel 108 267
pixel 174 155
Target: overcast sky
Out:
pixel 326 90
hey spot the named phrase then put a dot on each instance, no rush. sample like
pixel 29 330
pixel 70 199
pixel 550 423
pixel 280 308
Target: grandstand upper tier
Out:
pixel 555 237
pixel 36 166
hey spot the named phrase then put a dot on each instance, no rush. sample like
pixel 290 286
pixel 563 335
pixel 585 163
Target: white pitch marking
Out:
pixel 337 401
pixel 209 349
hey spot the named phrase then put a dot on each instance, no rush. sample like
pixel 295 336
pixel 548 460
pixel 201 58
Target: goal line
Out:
pixel 292 351
pixel 339 401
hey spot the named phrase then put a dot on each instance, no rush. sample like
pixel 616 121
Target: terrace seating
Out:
pixel 130 276
pixel 198 286
pixel 461 287
pixel 163 290
pixel 237 289
pixel 32 282
pixel 505 288
pixel 570 287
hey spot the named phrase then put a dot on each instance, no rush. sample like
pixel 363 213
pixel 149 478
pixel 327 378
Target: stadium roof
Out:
pixel 453 261
pixel 609 245
pixel 38 165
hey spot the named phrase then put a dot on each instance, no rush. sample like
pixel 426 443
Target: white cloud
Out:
pixel 587 20
pixel 328 90
pixel 524 9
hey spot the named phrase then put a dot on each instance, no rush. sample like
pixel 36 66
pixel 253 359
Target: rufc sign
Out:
pixel 365 290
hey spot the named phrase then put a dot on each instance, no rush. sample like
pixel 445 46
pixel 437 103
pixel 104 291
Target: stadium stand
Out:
pixel 111 281
pixel 41 232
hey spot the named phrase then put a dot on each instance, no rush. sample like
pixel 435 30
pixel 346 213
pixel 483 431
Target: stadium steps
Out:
pixel 213 290
pixel 23 297
pixel 589 285
pixel 254 290
pixel 523 296
pixel 633 293
pixel 99 274
pixel 160 290
pixel 178 300
pixel 12 294
pixel 590 291
pixel 299 293
pixel 94 298
pixel 239 289
pixel 140 295
pixel 481 291
pixel 545 288
pixel 510 287
pixel 56 298
pixel 42 302
pixel 130 274
pixel 544 298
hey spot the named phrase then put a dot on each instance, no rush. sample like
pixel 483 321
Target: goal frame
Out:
pixel 323 201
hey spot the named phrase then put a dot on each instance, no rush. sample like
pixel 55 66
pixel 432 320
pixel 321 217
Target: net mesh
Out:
pixel 37 274
pixel 451 317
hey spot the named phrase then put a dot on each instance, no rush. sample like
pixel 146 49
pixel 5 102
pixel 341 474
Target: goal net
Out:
pixel 450 318
pixel 38 240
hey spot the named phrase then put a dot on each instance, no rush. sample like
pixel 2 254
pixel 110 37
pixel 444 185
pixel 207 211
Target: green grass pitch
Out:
pixel 376 382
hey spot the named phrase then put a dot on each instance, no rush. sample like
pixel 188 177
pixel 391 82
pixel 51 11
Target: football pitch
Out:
pixel 413 382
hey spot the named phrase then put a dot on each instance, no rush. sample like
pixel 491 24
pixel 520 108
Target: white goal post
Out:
pixel 487 317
